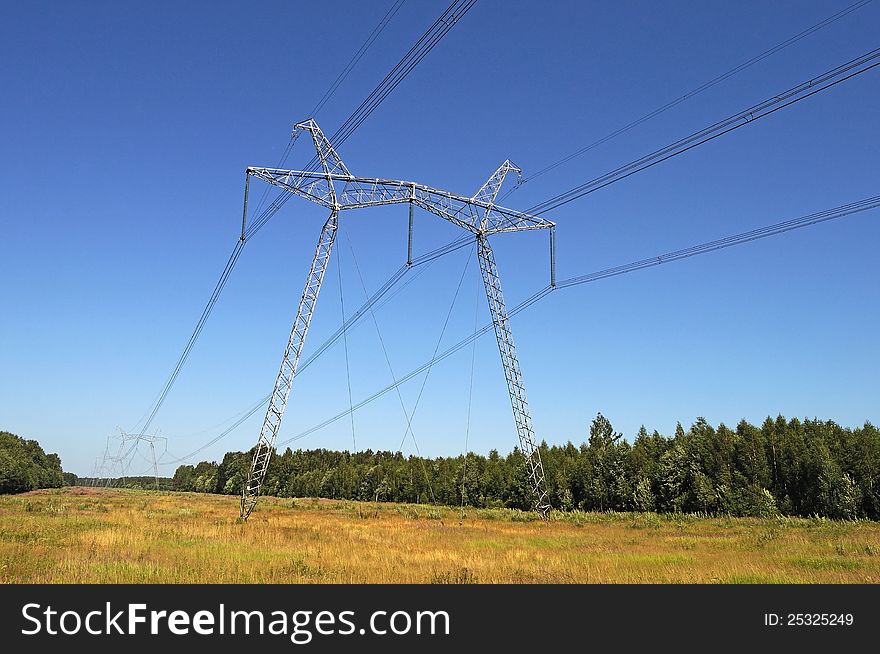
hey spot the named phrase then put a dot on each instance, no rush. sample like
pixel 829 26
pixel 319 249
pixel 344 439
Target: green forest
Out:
pixel 24 466
pixel 133 482
pixel 789 467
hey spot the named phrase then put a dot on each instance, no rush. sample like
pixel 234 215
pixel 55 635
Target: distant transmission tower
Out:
pixel 477 214
pixel 129 445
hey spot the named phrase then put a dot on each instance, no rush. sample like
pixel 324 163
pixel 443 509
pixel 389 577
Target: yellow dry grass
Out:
pixel 76 535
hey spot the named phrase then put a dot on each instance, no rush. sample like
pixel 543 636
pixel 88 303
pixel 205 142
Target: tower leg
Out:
pixel 155 465
pixel 281 393
pixel 513 374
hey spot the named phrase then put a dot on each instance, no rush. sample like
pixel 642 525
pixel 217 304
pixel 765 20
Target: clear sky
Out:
pixel 127 127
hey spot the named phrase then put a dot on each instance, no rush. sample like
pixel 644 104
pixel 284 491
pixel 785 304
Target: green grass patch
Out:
pixel 825 563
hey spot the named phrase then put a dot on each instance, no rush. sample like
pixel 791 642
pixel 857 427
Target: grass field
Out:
pixel 85 535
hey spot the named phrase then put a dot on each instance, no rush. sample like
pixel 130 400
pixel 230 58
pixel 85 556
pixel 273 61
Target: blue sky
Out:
pixel 127 128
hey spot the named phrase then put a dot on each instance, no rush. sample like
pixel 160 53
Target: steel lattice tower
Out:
pixel 128 447
pixel 478 215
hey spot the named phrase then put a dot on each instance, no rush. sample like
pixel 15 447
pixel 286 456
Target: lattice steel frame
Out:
pixel 107 465
pixel 283 382
pixel 478 215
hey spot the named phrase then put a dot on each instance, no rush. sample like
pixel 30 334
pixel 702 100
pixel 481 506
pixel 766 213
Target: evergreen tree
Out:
pixel 791 467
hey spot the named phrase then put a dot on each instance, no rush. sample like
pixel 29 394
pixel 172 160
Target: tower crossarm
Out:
pixel 478 214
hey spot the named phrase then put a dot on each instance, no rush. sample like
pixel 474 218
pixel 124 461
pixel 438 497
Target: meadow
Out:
pixel 96 535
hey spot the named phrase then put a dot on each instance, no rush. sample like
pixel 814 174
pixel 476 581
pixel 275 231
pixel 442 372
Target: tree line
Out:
pixel 24 466
pixel 789 467
pixel 143 482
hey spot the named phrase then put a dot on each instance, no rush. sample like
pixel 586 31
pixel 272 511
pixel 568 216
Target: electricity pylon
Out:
pixel 477 214
pixel 128 447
